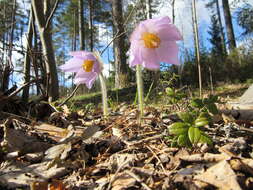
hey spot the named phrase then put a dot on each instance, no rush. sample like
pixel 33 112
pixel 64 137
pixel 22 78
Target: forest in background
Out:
pixel 37 36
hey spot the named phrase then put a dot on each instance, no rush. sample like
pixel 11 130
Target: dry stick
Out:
pixel 71 95
pixel 29 51
pixel 20 88
pixel 145 140
pixel 158 159
pixel 138 179
pixel 115 175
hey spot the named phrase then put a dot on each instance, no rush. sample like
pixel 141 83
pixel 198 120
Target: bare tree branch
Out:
pixel 52 13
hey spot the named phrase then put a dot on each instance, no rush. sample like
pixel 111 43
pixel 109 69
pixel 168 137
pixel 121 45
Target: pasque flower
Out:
pixel 85 65
pixel 154 41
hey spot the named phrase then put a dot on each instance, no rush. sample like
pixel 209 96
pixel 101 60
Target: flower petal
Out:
pixel 168 32
pixel 138 31
pixel 134 59
pixel 168 52
pixel 150 58
pixel 73 65
pixel 87 78
pixel 96 67
pixel 135 54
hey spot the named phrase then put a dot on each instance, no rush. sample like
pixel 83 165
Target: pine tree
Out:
pixel 214 31
pixel 245 18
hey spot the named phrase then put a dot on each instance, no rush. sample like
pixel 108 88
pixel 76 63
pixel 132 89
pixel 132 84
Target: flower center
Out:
pixel 151 40
pixel 88 65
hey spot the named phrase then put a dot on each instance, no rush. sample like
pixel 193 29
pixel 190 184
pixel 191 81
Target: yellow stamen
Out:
pixel 88 65
pixel 151 40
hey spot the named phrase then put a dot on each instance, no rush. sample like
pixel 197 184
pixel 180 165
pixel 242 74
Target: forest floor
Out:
pixel 78 149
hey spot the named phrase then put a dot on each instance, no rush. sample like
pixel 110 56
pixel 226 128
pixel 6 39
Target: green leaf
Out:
pixel 212 108
pixel 183 140
pixel 204 138
pixel 186 117
pixel 201 121
pixel 206 101
pixel 204 114
pixel 170 91
pixel 194 134
pixel 173 144
pixel 213 98
pixel 197 103
pixel 178 128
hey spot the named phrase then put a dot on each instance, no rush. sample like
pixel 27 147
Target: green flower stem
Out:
pixel 104 95
pixel 140 89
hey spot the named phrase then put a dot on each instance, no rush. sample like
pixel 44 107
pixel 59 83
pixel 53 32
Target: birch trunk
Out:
pixel 173 11
pixel 148 9
pixel 91 24
pixel 196 40
pixel 27 60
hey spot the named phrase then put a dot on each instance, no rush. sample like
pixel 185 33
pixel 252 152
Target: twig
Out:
pixel 115 175
pixel 7 114
pixel 117 35
pixel 70 96
pixel 158 159
pixel 138 179
pixel 144 140
pixel 20 88
pixel 52 13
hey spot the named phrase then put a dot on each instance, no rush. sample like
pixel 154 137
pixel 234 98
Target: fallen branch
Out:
pixel 21 88
pixel 3 99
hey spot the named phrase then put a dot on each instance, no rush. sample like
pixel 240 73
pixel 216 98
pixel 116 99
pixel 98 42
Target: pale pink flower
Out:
pixel 85 65
pixel 154 41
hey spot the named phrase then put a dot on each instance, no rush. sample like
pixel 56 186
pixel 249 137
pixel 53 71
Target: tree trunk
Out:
pixel 81 24
pixel 27 60
pixel 12 29
pixel 91 24
pixel 8 66
pixel 75 32
pixel 148 9
pixel 173 11
pixel 229 25
pixel 221 27
pixel 196 40
pixel 121 78
pixel 36 57
pixel 43 23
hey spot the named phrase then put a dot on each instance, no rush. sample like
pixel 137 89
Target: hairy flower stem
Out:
pixel 104 94
pixel 140 89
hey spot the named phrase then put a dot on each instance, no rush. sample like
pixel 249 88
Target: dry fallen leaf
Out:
pixel 56 185
pixel 220 175
pixel 123 181
pixel 207 157
pixel 37 185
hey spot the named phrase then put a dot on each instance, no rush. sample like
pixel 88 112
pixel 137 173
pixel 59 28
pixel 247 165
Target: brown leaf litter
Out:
pixel 83 151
